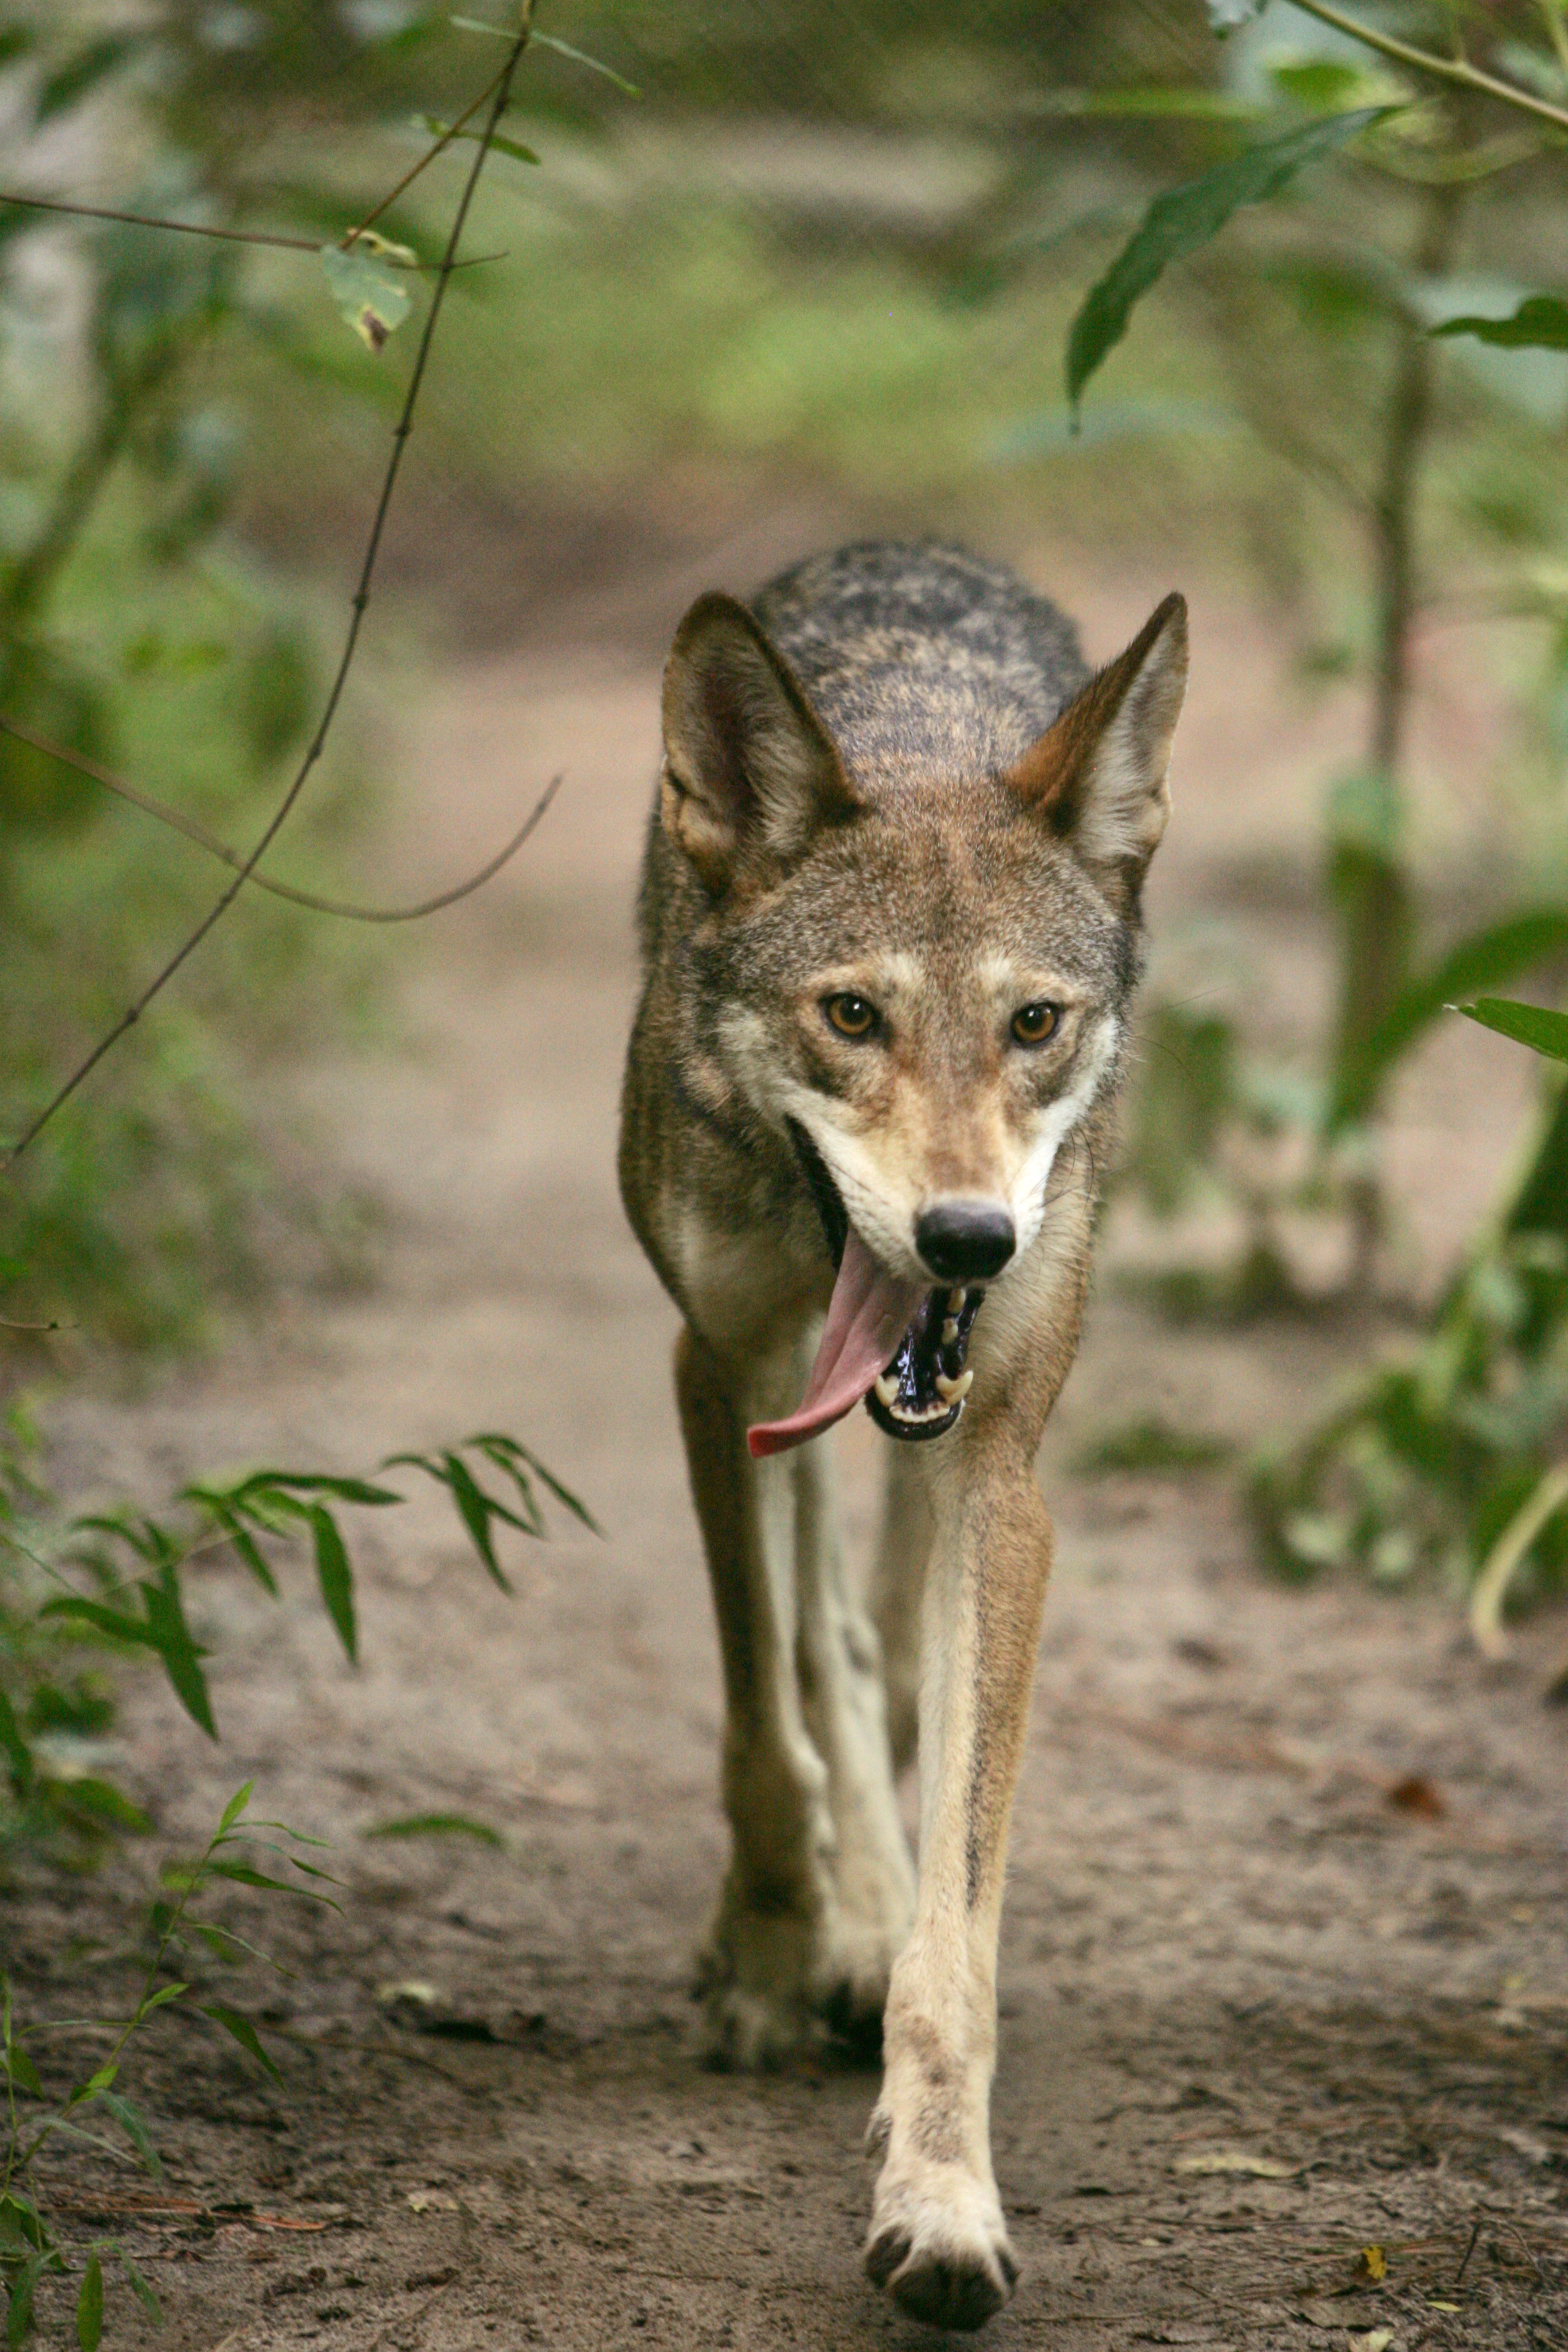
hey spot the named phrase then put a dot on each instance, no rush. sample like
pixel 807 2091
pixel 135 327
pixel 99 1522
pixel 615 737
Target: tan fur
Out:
pixel 891 777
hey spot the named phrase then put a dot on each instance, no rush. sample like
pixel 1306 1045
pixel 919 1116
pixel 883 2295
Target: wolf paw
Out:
pixel 770 1981
pixel 751 1978
pixel 941 2249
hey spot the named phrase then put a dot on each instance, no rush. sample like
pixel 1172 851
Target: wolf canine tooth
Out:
pixel 955 1300
pixel 887 1389
pixel 955 1390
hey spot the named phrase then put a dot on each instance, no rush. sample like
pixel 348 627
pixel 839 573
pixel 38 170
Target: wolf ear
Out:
pixel 1097 773
pixel 749 769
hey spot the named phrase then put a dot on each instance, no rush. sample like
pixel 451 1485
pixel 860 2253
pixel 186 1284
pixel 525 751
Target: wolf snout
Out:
pixel 966 1241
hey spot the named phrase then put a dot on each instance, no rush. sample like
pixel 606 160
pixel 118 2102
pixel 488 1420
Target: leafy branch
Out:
pixel 135 1599
pixel 500 89
pixel 1456 70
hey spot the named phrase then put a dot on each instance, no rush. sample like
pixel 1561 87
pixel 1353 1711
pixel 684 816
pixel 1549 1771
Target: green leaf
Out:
pixel 21 2223
pixel 19 2312
pixel 243 1875
pixel 95 2084
pixel 115 1623
pixel 221 1510
pixel 1186 217
pixel 151 1542
pixel 1539 323
pixel 103 1801
pixel 139 2286
pixel 245 2033
pixel 335 1577
pixel 506 1454
pixel 579 56
pixel 228 1945
pixel 369 296
pixel 22 2070
pixel 1527 1024
pixel 476 1509
pixel 435 1825
pixel 315 1481
pixel 164 1993
pixel 512 147
pixel 133 2124
pixel 1499 953
pixel 170 1635
pixel 235 1807
pixel 90 2306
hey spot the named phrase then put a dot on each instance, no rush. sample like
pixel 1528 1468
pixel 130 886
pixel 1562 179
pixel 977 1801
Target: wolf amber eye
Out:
pixel 850 1015
pixel 1035 1022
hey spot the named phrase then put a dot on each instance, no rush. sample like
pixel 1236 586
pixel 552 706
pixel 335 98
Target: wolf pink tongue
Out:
pixel 867 1317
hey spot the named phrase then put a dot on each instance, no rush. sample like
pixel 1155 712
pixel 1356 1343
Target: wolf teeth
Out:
pixel 911 1418
pixel 955 1300
pixel 950 1331
pixel 953 1391
pixel 886 1388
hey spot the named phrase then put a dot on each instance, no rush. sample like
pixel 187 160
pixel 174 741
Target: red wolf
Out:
pixel 890 928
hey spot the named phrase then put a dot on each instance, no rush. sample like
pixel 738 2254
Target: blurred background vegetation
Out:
pixel 825 252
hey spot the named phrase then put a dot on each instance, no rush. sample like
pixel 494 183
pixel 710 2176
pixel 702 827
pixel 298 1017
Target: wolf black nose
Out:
pixel 966 1241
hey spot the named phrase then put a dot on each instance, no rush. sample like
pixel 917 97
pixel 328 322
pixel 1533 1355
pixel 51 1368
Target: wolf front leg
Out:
pixel 820 1889
pixel 938 2242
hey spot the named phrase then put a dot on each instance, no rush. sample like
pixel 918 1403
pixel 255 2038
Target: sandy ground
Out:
pixel 1256 2015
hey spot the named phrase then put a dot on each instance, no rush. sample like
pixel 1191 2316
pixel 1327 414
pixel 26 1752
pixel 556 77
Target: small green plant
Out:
pixel 80 1593
pixel 34 2245
pixel 1450 1458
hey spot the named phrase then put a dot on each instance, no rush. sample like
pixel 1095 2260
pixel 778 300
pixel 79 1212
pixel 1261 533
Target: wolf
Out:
pixel 889 916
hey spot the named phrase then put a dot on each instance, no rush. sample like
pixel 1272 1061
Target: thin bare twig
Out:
pixel 259 235
pixel 150 220
pixel 344 907
pixel 502 92
pixel 1454 70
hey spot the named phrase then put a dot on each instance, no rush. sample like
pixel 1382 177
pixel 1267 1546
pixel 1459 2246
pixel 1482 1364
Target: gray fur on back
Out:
pixel 923 662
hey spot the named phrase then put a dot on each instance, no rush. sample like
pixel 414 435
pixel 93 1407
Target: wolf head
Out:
pixel 920 966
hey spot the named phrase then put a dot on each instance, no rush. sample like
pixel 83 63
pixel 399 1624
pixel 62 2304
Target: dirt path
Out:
pixel 1256 2015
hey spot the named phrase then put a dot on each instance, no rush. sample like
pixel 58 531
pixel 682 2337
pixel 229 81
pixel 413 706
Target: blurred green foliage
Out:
pixel 831 250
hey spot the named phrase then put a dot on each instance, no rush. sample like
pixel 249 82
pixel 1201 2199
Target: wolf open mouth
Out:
pixel 898 1344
